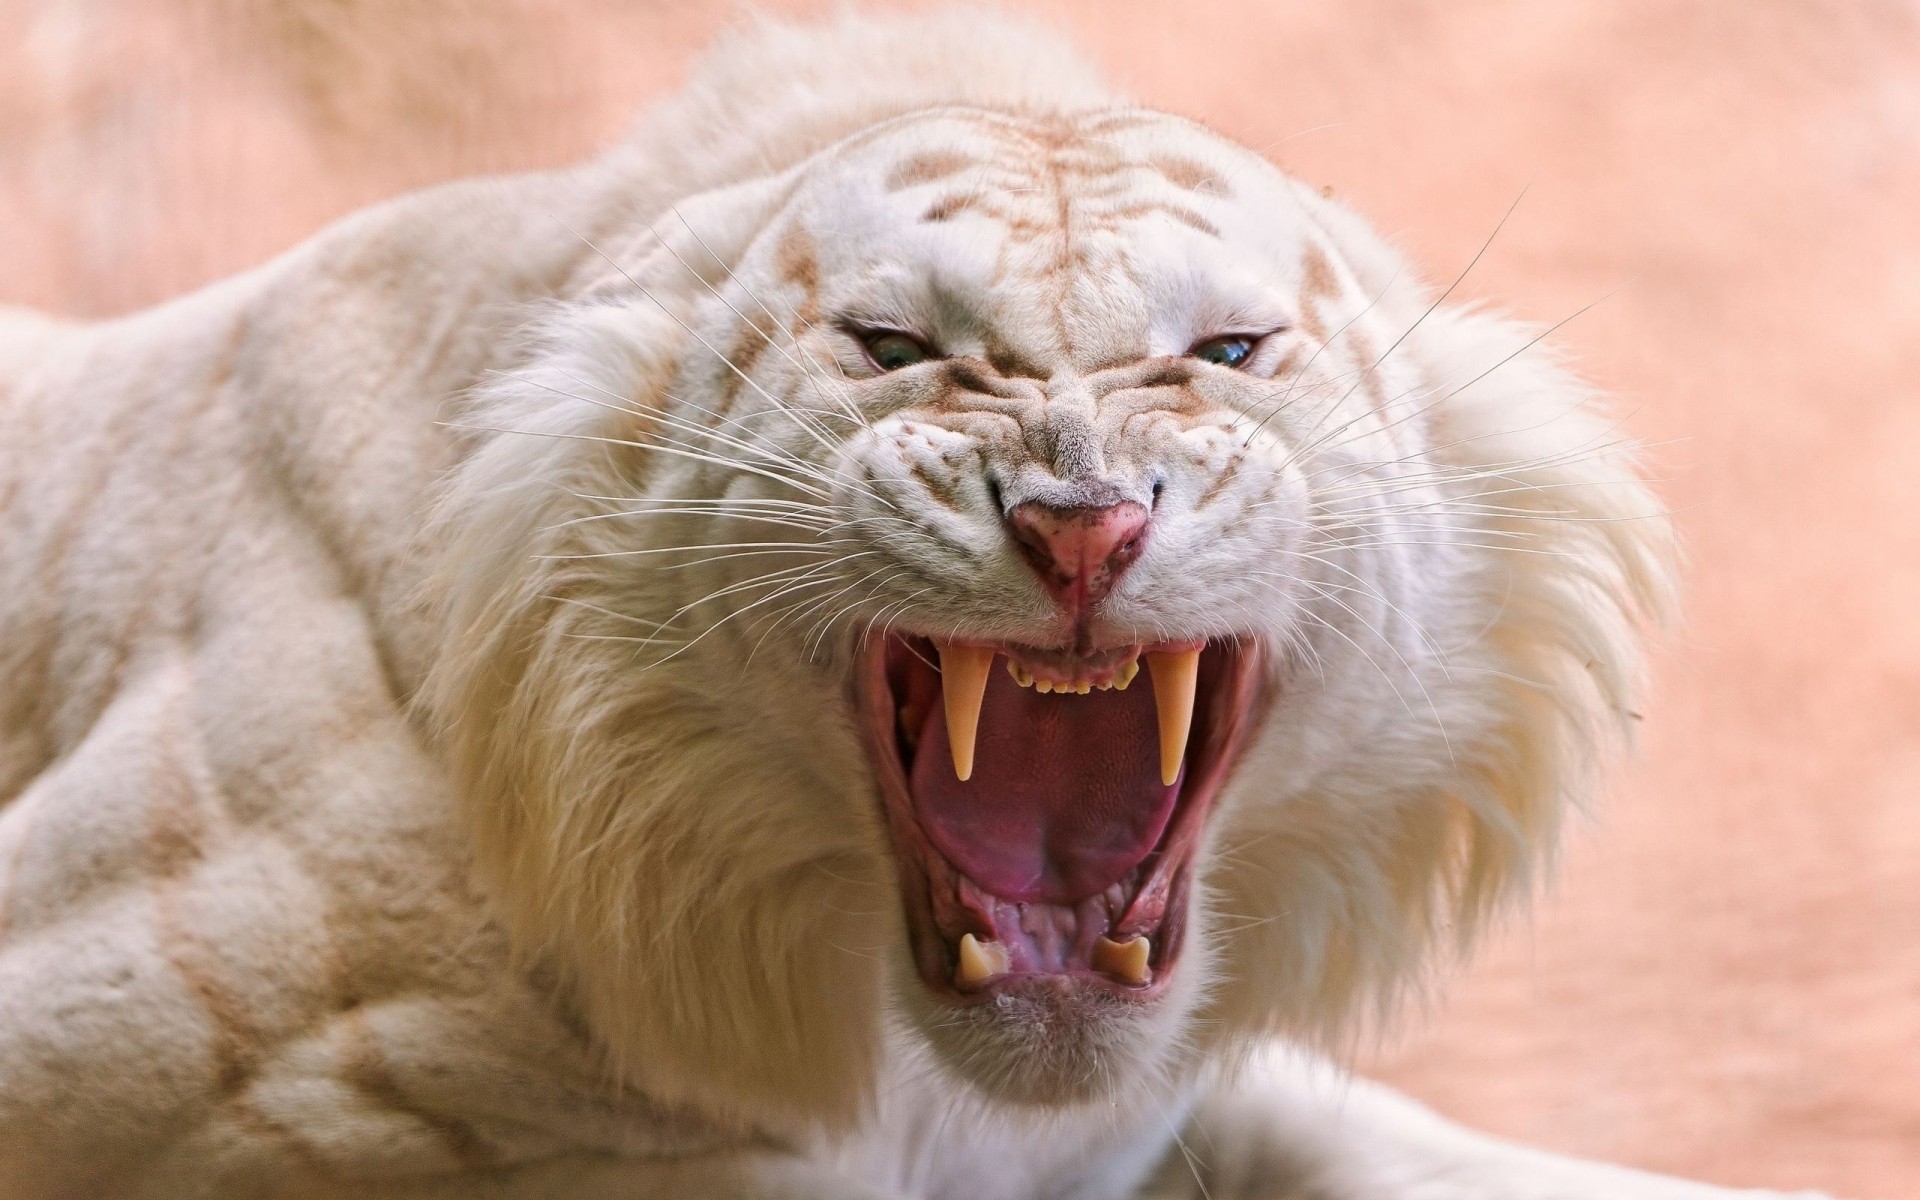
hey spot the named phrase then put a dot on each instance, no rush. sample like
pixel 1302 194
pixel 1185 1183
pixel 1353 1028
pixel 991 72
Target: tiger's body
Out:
pixel 391 810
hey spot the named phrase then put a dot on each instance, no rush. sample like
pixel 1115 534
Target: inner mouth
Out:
pixel 1045 805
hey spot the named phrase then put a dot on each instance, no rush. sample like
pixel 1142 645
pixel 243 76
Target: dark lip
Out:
pixel 1234 706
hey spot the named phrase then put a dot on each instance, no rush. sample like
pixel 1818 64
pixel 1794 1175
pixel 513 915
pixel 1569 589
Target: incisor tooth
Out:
pixel 1175 674
pixel 1125 961
pixel 1124 676
pixel 1019 673
pixel 963 684
pixel 979 961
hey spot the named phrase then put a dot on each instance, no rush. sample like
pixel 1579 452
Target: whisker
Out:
pixel 817 380
pixel 676 451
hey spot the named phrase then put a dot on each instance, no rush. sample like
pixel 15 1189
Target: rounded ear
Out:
pixel 689 244
pixel 633 839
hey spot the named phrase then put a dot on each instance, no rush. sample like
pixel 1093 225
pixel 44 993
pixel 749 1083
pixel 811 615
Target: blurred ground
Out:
pixel 1726 983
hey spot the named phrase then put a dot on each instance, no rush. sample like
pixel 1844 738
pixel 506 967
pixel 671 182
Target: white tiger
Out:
pixel 615 682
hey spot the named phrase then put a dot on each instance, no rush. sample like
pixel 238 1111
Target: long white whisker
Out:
pixel 802 366
pixel 674 450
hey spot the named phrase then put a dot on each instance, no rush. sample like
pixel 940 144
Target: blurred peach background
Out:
pixel 1726 981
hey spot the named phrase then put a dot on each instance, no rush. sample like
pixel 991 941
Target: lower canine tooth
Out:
pixel 1125 961
pixel 963 685
pixel 1175 675
pixel 980 961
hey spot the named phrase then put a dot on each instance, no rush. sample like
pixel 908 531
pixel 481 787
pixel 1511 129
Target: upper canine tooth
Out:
pixel 1125 961
pixel 1175 675
pixel 979 961
pixel 963 685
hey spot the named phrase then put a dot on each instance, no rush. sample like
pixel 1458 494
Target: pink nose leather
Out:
pixel 1079 553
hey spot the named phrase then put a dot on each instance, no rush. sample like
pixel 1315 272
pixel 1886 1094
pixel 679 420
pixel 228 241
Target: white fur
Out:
pixel 428 547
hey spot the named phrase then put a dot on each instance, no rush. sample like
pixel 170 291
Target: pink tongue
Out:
pixel 1065 797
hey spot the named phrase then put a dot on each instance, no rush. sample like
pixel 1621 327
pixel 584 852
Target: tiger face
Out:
pixel 1049 576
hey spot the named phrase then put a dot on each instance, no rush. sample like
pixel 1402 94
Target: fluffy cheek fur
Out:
pixel 1378 819
pixel 694 851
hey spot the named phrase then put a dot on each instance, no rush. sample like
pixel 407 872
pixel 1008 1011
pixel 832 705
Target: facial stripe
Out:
pixel 927 168
pixel 796 261
pixel 1362 345
pixel 1146 208
pixel 1217 487
pixel 1318 284
pixel 944 492
pixel 1188 175
pixel 947 207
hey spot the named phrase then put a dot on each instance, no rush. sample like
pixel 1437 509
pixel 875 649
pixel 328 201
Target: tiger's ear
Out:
pixel 576 399
pixel 690 245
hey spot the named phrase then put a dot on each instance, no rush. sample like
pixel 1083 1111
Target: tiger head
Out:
pixel 1043 583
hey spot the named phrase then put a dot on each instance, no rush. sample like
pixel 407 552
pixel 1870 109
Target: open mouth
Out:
pixel 1045 806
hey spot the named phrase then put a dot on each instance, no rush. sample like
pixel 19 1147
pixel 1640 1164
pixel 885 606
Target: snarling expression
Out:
pixel 1063 374
pixel 1074 530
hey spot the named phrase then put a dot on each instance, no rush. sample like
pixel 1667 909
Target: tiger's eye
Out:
pixel 1231 351
pixel 891 351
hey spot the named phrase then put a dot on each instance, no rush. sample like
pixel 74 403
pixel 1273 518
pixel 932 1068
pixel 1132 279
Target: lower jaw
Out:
pixel 1083 959
pixel 1094 944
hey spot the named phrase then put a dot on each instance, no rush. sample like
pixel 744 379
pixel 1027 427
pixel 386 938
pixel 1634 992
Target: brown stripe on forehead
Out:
pixel 946 208
pixel 926 168
pixel 1021 227
pixel 1185 216
pixel 1124 119
pixel 1187 174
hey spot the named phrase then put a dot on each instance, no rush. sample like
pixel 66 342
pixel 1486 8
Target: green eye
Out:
pixel 891 351
pixel 1230 351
